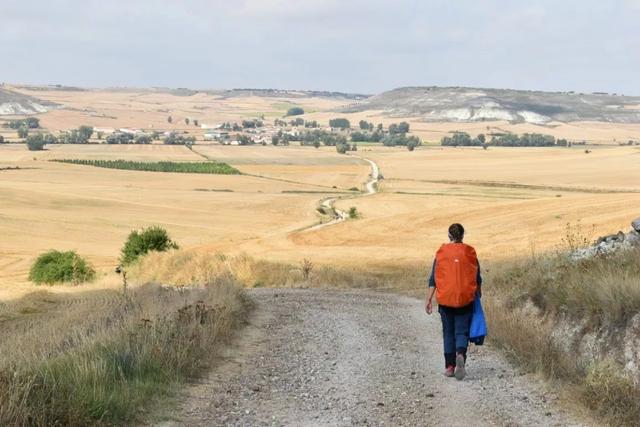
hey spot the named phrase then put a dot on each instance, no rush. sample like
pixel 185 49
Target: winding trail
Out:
pixel 340 215
pixel 354 357
pixel 375 177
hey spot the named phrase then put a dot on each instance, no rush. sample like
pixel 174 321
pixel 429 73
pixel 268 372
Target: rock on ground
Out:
pixel 342 358
pixel 612 243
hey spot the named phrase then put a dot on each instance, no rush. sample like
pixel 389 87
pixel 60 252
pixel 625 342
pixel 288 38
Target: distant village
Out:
pixel 282 131
pixel 247 132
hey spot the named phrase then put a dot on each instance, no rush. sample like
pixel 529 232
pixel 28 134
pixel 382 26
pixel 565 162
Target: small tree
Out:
pixel 170 119
pixel 340 123
pixel 295 111
pixel 59 267
pixel 141 242
pixel 142 139
pixel 196 123
pixel 119 138
pixel 186 121
pixel 84 134
pixel 353 212
pixel 35 142
pixel 412 143
pixel 342 148
pixel 316 144
pixel 23 132
pixel 399 129
pixel 32 122
pixel 1 139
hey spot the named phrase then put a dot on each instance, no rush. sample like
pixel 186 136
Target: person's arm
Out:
pixel 428 305
pixel 479 281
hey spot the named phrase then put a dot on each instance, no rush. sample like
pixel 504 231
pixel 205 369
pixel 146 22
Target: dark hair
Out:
pixel 456 232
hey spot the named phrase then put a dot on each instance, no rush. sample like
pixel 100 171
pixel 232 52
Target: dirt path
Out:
pixel 375 176
pixel 340 215
pixel 340 358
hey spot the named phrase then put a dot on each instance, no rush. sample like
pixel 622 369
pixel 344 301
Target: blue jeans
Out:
pixel 455 331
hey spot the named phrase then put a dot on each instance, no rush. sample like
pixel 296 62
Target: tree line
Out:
pixel 463 139
pixel 298 121
pixel 176 167
pixel 395 135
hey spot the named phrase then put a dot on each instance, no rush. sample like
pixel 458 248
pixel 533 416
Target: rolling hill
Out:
pixel 15 103
pixel 458 104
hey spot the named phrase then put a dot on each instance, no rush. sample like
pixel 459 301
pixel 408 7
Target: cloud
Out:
pixel 356 45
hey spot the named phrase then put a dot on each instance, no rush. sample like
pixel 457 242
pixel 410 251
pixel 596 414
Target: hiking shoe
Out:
pixel 449 372
pixel 459 370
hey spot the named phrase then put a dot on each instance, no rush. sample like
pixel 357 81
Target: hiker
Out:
pixel 455 280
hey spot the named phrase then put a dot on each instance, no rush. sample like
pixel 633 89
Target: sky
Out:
pixel 357 46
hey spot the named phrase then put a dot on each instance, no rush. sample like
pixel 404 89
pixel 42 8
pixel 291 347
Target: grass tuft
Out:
pixel 102 359
pixel 186 267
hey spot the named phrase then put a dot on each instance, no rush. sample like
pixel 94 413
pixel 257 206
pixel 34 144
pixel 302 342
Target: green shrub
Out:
pixel 35 143
pixel 61 267
pixel 144 241
pixel 339 123
pixel 295 111
pixel 353 212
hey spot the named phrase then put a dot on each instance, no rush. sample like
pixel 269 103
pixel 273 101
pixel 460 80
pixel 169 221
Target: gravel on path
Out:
pixel 342 358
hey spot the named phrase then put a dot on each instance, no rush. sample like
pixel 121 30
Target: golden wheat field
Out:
pixel 512 200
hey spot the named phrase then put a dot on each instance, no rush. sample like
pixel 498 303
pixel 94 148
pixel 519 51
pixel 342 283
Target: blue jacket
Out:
pixel 478 329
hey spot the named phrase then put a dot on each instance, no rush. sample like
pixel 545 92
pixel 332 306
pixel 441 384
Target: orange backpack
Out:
pixel 456 275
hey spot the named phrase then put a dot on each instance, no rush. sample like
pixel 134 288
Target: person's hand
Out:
pixel 428 307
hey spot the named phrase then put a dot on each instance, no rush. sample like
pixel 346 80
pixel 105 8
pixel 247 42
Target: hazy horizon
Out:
pixel 355 47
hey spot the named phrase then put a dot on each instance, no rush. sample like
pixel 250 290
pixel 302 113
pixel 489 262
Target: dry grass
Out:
pixel 99 357
pixel 184 267
pixel 48 205
pixel 528 299
pixel 602 289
